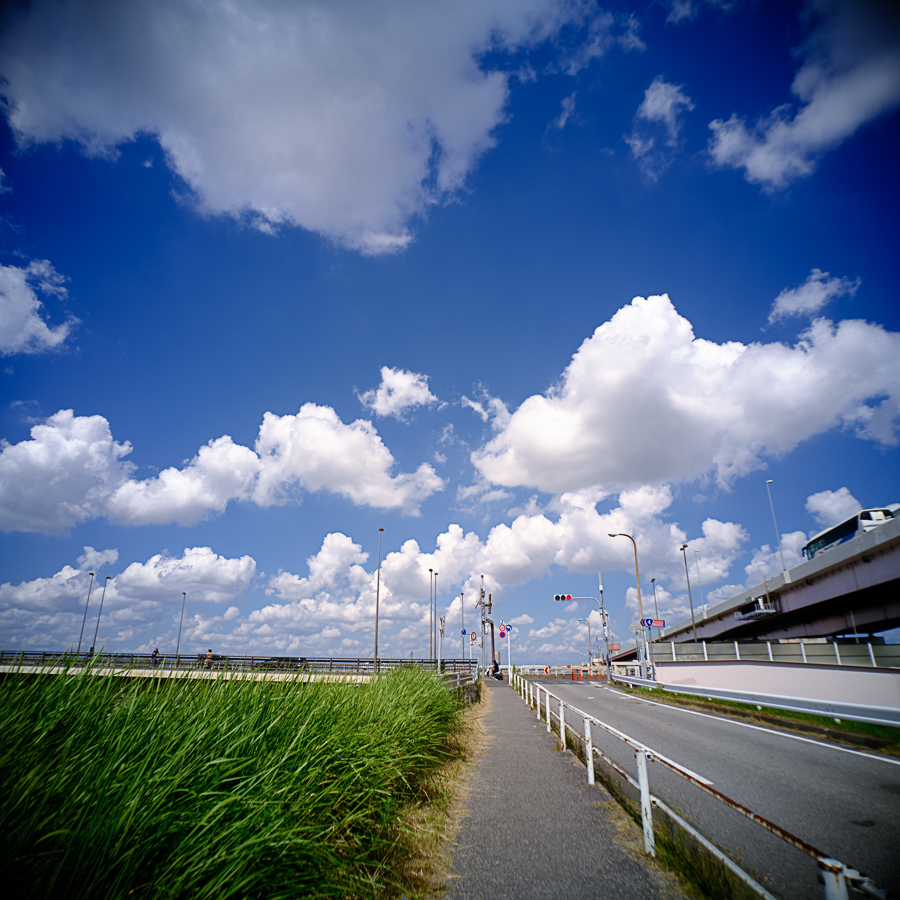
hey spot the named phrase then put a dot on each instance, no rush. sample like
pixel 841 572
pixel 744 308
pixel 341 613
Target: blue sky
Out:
pixel 497 277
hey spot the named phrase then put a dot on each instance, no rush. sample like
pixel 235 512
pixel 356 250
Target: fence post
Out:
pixel 562 724
pixel 548 711
pixel 833 880
pixel 537 697
pixel 589 749
pixel 646 809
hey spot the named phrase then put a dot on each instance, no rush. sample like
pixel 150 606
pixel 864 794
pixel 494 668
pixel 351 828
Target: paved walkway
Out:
pixel 533 829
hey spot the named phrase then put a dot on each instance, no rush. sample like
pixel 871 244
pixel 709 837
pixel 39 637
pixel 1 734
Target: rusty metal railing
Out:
pixel 836 877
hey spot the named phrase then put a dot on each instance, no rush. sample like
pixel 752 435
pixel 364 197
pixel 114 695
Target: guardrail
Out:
pixel 462 678
pixel 43 659
pixel 810 652
pixel 854 712
pixel 834 875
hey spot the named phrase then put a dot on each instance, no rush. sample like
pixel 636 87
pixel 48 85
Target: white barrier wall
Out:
pixel 844 684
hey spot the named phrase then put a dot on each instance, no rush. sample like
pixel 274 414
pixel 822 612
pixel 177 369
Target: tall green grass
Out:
pixel 120 787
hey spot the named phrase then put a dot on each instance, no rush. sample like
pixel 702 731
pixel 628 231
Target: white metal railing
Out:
pixel 834 875
pixel 809 652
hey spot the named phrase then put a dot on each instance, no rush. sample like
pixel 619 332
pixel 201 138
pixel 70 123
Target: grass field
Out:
pixel 116 787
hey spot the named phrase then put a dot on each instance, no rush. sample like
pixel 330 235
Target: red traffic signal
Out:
pixel 562 596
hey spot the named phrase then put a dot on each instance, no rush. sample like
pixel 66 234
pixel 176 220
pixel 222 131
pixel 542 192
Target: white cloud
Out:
pixel 201 573
pixel 346 118
pixel 850 76
pixel 339 561
pixel 64 591
pixel 96 559
pixel 807 299
pixel 23 328
pixel 658 117
pixel 399 391
pixel 568 107
pixel 679 10
pixel 722 407
pixel 491 409
pixel 48 612
pixel 72 470
pixel 221 471
pixel 317 451
pixel 766 561
pixel 830 507
pixel 684 10
pixel 62 476
pixel 664 102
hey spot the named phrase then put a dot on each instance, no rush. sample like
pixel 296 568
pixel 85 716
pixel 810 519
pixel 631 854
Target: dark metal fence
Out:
pixel 457 671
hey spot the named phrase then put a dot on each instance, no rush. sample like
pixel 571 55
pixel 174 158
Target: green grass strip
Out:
pixel 124 787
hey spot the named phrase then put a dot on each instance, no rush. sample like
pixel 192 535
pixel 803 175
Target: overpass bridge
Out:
pixel 853 589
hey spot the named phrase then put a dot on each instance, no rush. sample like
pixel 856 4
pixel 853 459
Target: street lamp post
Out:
pixel 604 621
pixel 86 605
pixel 688 579
pixel 462 617
pixel 435 610
pixel 590 642
pixel 178 645
pixel 377 597
pixel 637 575
pixel 777 532
pixel 105 583
pixel 431 613
pixel 656 608
pixel 699 579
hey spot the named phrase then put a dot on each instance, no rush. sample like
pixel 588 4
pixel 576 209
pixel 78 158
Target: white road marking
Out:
pixel 658 755
pixel 795 737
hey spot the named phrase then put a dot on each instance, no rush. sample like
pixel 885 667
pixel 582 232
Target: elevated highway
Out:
pixel 851 589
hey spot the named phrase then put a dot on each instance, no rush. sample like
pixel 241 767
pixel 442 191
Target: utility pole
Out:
pixel 462 615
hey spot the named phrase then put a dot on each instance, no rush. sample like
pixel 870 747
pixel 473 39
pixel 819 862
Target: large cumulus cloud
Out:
pixel 645 401
pixel 72 470
pixel 345 117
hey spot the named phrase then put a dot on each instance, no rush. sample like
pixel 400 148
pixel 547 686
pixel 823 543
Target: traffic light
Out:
pixel 562 596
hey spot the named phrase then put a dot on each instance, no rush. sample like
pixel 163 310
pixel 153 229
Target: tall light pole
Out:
pixel 637 575
pixel 656 608
pixel 699 580
pixel 178 645
pixel 431 613
pixel 377 597
pixel 435 612
pixel 604 621
pixel 777 532
pixel 86 605
pixel 462 616
pixel 105 583
pixel 590 642
pixel 688 579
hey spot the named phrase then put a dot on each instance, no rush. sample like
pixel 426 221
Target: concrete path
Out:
pixel 533 829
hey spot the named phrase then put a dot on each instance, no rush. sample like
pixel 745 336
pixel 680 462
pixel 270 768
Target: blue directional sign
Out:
pixel 463 632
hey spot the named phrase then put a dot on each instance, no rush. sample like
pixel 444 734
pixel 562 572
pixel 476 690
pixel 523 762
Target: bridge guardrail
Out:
pixel 237 664
pixel 810 652
pixel 833 874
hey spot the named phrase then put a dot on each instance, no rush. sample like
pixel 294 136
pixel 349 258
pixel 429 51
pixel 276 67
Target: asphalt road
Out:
pixel 844 802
